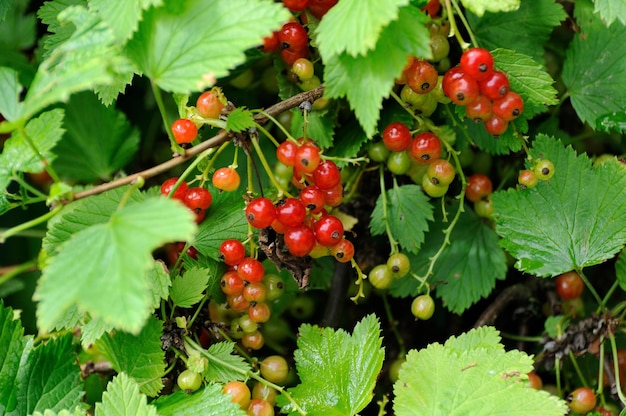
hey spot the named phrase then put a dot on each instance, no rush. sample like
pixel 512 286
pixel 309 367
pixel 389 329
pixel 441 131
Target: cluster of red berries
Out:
pixel 209 105
pixel 317 8
pixel 197 199
pixel 483 91
pixel 292 41
pixel 248 291
pixel 479 189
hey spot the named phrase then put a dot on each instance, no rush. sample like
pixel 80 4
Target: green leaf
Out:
pixel 479 7
pixel 112 285
pixel 123 16
pixel 43 133
pixel 470 374
pixel 223 362
pixel 595 89
pixel 528 27
pixel 572 221
pixel 225 219
pixel 188 50
pixel 528 79
pixel 467 269
pixel 187 290
pixel 160 282
pixel 320 128
pixel 123 398
pixel 338 371
pixel 503 145
pixel 19 30
pixel 366 79
pixel 92 329
pixel 77 412
pixel 89 57
pixel 209 401
pixel 612 122
pixel 98 140
pixel 610 10
pixel 239 120
pixel 50 378
pixel 139 356
pixel 58 32
pixel 354 26
pixel 12 345
pixel 408 213
pixel 350 139
pixel 620 270
pixel 9 94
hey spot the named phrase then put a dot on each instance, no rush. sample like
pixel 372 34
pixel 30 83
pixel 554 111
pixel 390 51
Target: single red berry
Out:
pixel 441 172
pixel 569 285
pixel 495 85
pixel 313 198
pixel 184 130
pixel 302 70
pixel 286 152
pixel 232 251
pixel 290 212
pixel 462 90
pixel 237 302
pixel 479 110
pixel 299 240
pixel 333 197
pixel 259 312
pixel 451 75
pixel 271 43
pixel 239 391
pixel 319 8
pixel 425 148
pixel 432 8
pixel 198 199
pixel 421 76
pixel 496 125
pixel 250 270
pixel 231 283
pixel 211 103
pixel 343 251
pixel 296 5
pixel 479 187
pixel 328 230
pixel 397 137
pixel 260 212
pixel 293 36
pixel 289 56
pixel 255 292
pixel 527 179
pixel 327 174
pixel 582 400
pixel 259 407
pixel 180 192
pixel 509 107
pixel 226 179
pixel 307 158
pixel 477 62
pixel 254 341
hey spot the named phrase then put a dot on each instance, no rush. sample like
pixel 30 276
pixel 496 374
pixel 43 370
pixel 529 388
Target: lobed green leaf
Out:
pixel 188 289
pixel 224 365
pixel 10 93
pixel 320 128
pixel 610 10
pixel 208 401
pixel 123 16
pixel 123 398
pixel 620 270
pixel 12 346
pixel 479 7
pixel 239 120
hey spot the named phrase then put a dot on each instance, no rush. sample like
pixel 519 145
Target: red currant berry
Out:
pixel 293 36
pixel 265 392
pixel 479 187
pixel 495 125
pixel 484 208
pixel 380 276
pixel 527 179
pixel 299 240
pixel 313 198
pixel 495 86
pixel 509 107
pixel 302 70
pixel 397 137
pixel 250 270
pixel 184 130
pixel 399 265
pixel 582 400
pixel 259 312
pixel 451 75
pixel 423 307
pixel 290 56
pixel 226 179
pixel 255 292
pixel 477 63
pixel 399 163
pixel 271 43
pixel 296 5
pixel 189 381
pixel 231 283
pixel 211 103
pixel 260 212
pixel 425 148
pixel 327 175
pixel 239 391
pixel 290 212
pixel 328 230
pixel 259 407
pixel 232 251
pixel 378 152
pixel 275 369
pixel 307 158
pixel 254 341
pixel 319 8
pixel 441 172
pixel 275 286
pixel 433 190
pixel 432 8
pixel 569 285
pixel 179 193
pixel 480 109
pixel 237 303
pixel 535 381
pixel 333 197
pixel 463 90
pixel 544 169
pixel 421 77
pixel 286 152
pixel 343 251
pixel 198 199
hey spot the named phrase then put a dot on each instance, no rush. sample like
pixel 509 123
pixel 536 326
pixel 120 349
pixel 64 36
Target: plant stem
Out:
pixel 158 98
pixel 383 195
pixel 41 157
pixel 591 288
pixel 8 273
pixel 268 169
pixel 393 325
pixel 618 386
pixel 28 224
pixel 454 30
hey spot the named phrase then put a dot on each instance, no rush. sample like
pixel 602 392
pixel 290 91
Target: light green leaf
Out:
pixel 595 89
pixel 123 398
pixel 112 285
pixel 12 345
pixel 78 411
pixel 528 79
pixel 9 94
pixel 87 58
pixel 620 270
pixel 222 362
pixel 139 356
pixel 465 377
pixel 210 401
pixel 239 120
pixel 551 232
pixel 97 143
pixel 187 51
pixel 321 126
pixel 479 7
pixel 160 282
pixel 337 370
pixel 366 79
pixel 92 330
pixel 467 269
pixel 354 26
pixel 225 219
pixel 528 27
pixel 187 290
pixel 18 155
pixel 408 213
pixel 58 32
pixel 610 10
pixel 122 16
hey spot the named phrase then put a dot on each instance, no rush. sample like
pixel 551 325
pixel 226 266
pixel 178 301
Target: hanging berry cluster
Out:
pixel 209 105
pixel 197 199
pixel 483 91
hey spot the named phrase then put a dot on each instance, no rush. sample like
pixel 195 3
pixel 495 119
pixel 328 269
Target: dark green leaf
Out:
pixel 210 401
pixel 12 346
pixel 139 356
pixel 572 221
pixel 98 141
pixel 18 31
pixel 596 88
pixel 350 137
pixel 408 213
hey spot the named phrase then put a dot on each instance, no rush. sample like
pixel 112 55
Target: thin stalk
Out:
pixel 454 30
pixel 383 195
pixel 158 97
pixel 591 288
pixel 618 386
pixel 17 270
pixel 268 169
pixel 579 373
pixel 29 224
pixel 41 157
pixel 465 23
pixel 393 324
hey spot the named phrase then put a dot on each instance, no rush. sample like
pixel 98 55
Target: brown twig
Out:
pixel 214 141
pixel 103 367
pixel 509 295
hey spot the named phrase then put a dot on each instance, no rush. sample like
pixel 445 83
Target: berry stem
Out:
pixel 136 184
pixel 581 377
pixel 9 232
pixel 44 161
pixel 8 273
pixel 278 124
pixel 591 288
pixel 158 97
pixel 454 30
pixel 268 134
pixel 27 186
pixel 359 281
pixel 393 324
pixel 608 295
pixel 268 169
pixel 383 194
pixel 618 386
